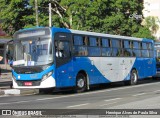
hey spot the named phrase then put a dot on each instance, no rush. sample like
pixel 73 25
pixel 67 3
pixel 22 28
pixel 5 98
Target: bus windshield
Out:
pixel 33 52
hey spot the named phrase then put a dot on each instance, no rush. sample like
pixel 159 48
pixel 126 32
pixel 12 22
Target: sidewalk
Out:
pixel 5 80
pixel 5 84
pixel 5 76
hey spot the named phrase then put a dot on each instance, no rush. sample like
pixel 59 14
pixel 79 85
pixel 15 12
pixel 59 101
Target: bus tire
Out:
pixel 81 83
pixel 133 77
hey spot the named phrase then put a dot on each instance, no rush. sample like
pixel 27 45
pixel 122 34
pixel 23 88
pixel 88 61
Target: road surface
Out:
pixel 145 95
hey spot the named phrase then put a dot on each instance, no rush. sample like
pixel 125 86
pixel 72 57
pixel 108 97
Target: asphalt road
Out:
pixel 145 95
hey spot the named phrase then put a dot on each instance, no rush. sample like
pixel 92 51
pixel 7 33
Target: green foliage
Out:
pixel 15 14
pixel 105 16
pixel 151 23
pixel 143 32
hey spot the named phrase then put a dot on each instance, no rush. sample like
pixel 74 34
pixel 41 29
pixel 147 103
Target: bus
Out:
pixel 62 58
pixel 157 55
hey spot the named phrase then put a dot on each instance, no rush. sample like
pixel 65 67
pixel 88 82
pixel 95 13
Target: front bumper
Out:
pixel 47 83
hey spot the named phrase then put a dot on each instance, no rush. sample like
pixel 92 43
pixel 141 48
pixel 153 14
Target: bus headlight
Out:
pixel 47 75
pixel 50 73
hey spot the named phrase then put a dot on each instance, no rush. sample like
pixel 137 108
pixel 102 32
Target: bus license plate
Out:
pixel 28 83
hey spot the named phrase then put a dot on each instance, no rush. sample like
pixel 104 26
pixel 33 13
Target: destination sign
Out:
pixel 31 33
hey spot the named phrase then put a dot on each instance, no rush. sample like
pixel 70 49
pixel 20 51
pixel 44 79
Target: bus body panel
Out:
pixel 144 67
pixel 99 70
pixel 112 68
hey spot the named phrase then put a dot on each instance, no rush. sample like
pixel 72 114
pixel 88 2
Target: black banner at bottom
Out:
pixel 106 112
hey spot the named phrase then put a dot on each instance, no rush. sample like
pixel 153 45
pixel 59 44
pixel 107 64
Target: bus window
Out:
pixel 151 52
pixel 136 49
pixel 63 49
pixel 149 46
pixel 105 42
pixel 116 43
pixel 78 40
pixel 116 48
pixel 144 46
pixel 136 53
pixel 80 45
pixel 145 51
pixel 94 51
pixel 127 52
pixel 106 50
pixel 93 48
pixel 126 44
pixel 93 41
pixel 136 45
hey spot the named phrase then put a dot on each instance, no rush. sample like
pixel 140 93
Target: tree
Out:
pixel 105 16
pixel 151 23
pixel 144 32
pixel 15 15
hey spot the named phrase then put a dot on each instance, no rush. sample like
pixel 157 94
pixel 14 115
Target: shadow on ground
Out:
pixel 99 87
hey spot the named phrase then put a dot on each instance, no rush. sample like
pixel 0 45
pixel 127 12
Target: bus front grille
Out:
pixel 33 83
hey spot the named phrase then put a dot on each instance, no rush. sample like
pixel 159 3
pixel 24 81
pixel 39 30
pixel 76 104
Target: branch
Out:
pixel 60 15
pixel 58 9
pixel 55 2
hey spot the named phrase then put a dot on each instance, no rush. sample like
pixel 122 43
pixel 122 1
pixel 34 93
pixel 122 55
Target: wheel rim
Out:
pixel 134 77
pixel 80 83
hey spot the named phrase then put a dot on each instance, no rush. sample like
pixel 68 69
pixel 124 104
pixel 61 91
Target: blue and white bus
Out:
pixel 157 55
pixel 60 58
pixel 157 51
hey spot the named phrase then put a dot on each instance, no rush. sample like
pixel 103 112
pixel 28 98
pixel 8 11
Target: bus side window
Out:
pixel 116 48
pixel 80 45
pixel 126 49
pixel 145 52
pixel 150 46
pixel 93 47
pixel 106 49
pixel 151 52
pixel 136 49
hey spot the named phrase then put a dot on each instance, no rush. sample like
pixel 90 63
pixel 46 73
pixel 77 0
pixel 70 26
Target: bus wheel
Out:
pixel 133 77
pixel 81 83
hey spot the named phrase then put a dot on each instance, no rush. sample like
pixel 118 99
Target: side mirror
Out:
pixel 11 63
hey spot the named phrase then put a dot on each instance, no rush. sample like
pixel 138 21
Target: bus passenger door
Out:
pixel 63 59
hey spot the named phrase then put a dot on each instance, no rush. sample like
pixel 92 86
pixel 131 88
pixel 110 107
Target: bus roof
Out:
pixel 109 35
pixel 102 34
pixel 91 33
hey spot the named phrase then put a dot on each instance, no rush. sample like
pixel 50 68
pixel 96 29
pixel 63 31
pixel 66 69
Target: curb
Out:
pixel 19 91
